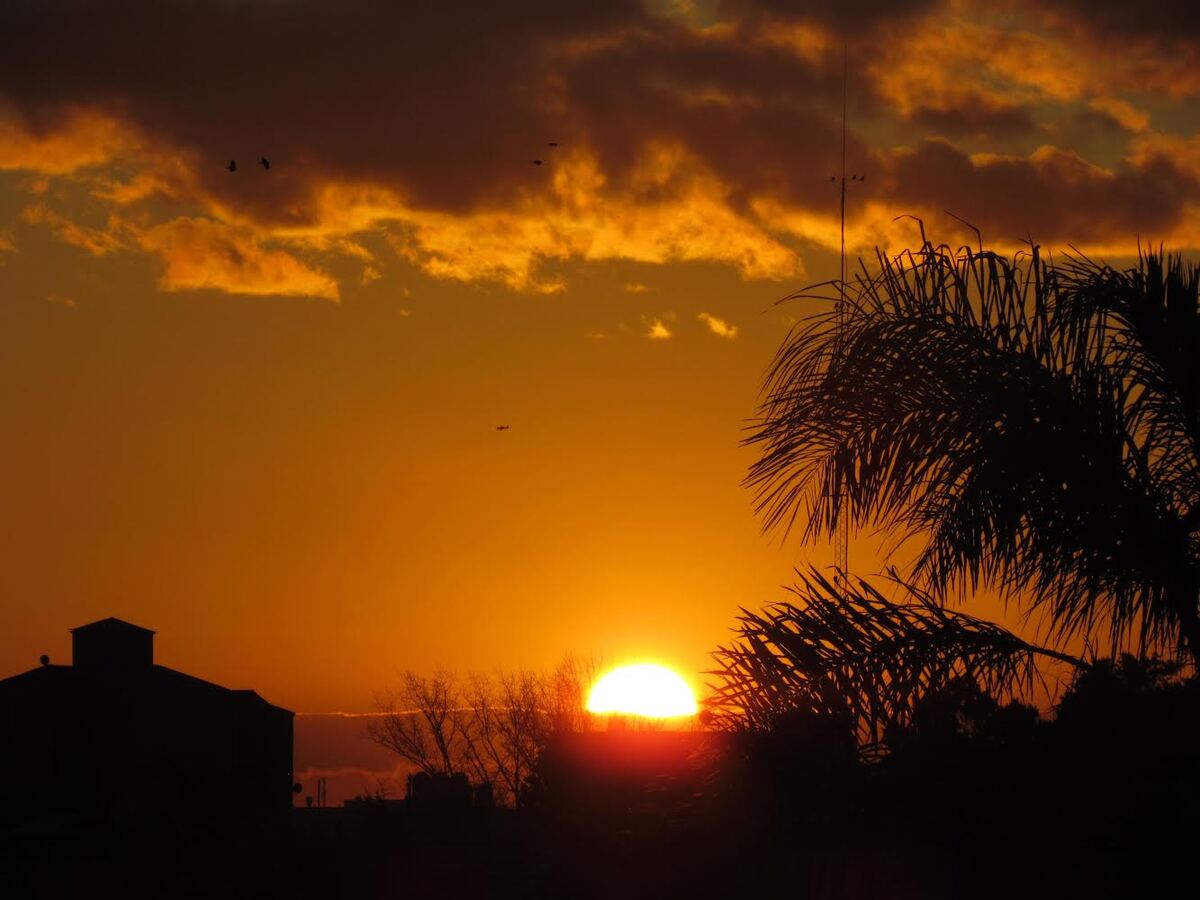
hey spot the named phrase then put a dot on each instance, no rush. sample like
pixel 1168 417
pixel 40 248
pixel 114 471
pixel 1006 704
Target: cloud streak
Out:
pixel 719 327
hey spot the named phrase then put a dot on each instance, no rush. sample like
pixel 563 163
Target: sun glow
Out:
pixel 643 689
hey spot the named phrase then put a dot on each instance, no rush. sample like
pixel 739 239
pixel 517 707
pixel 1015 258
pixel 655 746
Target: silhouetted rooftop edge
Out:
pixel 111 623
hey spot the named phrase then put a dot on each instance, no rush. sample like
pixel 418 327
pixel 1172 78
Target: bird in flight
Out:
pixel 232 167
pixel 552 144
pixel 503 427
pixel 537 162
pixel 265 163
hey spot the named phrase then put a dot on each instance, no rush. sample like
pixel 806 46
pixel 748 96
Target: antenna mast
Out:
pixel 841 536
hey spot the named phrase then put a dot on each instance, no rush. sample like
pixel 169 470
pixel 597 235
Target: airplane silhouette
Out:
pixel 503 427
pixel 265 163
pixel 232 167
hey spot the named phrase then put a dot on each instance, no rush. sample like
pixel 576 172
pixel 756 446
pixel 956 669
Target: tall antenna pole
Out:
pixel 842 281
pixel 841 537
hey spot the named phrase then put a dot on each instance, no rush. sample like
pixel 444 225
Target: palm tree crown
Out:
pixel 1033 426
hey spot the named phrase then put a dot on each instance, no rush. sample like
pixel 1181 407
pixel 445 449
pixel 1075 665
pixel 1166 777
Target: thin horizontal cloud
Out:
pixel 312 773
pixel 719 327
pixel 340 714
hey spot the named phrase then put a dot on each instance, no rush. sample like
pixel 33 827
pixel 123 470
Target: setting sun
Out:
pixel 643 689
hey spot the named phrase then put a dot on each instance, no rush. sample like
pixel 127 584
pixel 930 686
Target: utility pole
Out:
pixel 841 536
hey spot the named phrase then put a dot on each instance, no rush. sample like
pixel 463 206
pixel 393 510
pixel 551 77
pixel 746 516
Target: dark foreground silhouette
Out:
pixel 972 799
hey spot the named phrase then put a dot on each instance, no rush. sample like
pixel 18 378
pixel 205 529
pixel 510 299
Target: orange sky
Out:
pixel 255 411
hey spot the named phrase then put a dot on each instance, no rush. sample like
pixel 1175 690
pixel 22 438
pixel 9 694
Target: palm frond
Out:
pixel 853 653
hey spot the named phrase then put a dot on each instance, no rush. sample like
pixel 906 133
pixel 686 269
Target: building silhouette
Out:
pixel 114 741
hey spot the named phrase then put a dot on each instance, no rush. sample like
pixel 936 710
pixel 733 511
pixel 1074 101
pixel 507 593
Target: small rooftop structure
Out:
pixel 113 644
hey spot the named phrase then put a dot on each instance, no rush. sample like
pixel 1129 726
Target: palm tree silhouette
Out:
pixel 846 652
pixel 1031 425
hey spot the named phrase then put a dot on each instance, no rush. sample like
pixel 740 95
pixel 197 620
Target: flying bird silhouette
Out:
pixel 537 162
pixel 232 167
pixel 265 163
pixel 503 427
pixel 552 144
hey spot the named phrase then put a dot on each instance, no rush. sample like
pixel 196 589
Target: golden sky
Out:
pixel 255 410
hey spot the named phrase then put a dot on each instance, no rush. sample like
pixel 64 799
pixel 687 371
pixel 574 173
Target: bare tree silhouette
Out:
pixel 419 722
pixel 1030 425
pixel 503 726
pixel 490 727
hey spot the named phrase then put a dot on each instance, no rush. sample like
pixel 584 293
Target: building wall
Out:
pixel 130 747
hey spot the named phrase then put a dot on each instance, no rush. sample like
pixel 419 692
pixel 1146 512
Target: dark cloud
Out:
pixel 845 16
pixel 978 118
pixel 1172 20
pixel 452 105
pixel 448 106
pixel 1091 121
pixel 764 118
pixel 1053 196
